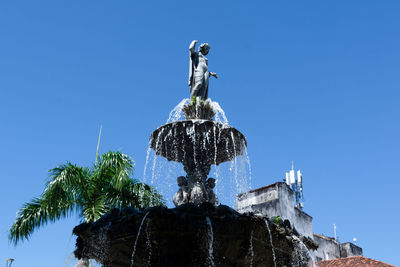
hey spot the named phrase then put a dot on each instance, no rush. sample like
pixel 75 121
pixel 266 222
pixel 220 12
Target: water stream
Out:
pixel 251 250
pixel 270 240
pixel 210 242
pixel 232 177
pixel 137 238
pixel 300 258
pixel 148 243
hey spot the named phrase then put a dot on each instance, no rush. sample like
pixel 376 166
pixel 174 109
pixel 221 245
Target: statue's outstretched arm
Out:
pixel 193 46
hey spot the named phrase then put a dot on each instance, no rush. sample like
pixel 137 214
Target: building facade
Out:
pixel 278 199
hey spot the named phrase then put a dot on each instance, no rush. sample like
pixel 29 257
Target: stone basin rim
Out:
pixel 225 132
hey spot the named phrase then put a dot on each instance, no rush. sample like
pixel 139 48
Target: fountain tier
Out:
pixel 189 235
pixel 197 144
pixel 202 141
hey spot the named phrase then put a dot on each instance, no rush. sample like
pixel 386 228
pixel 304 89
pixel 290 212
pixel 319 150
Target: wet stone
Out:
pixel 181 237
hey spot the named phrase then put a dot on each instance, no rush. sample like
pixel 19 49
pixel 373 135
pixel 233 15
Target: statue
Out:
pixel 198 71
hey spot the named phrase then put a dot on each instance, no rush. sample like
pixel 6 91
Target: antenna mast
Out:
pixel 334 231
pixel 98 145
pixel 296 185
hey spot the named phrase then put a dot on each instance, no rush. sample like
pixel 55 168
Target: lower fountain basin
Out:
pixel 189 235
pixel 202 141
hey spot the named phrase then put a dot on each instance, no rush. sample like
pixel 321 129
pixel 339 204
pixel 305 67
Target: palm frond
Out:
pixel 66 183
pixel 35 214
pixel 94 208
pixel 115 168
pixel 133 194
pixel 90 191
pixel 68 178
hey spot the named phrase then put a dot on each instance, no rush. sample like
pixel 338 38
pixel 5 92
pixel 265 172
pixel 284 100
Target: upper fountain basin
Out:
pixel 202 141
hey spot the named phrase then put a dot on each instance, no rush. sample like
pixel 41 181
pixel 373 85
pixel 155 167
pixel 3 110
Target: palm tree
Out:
pixel 90 191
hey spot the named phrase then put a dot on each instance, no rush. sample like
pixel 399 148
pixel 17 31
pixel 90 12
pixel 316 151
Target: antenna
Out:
pixel 296 185
pixel 9 262
pixel 334 231
pixel 98 145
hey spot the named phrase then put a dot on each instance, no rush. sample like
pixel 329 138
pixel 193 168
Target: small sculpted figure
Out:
pixel 212 198
pixel 182 196
pixel 198 194
pixel 198 71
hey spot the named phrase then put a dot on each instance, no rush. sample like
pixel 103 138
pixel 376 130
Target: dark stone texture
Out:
pixel 198 141
pixel 180 237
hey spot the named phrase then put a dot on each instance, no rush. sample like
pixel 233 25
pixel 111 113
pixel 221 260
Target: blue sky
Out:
pixel 316 82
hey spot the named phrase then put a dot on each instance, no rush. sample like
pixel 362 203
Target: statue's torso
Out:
pixel 200 64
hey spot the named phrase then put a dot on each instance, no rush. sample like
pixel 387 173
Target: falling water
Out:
pixel 248 164
pixel 270 240
pixel 251 250
pixel 137 238
pixel 147 157
pixel 153 169
pixel 210 242
pixel 220 113
pixel 301 258
pixel 234 161
pixel 232 177
pixel 71 260
pixel 176 113
pixel 148 243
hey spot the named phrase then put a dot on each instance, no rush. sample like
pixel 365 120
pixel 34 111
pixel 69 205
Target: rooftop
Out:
pixel 262 188
pixel 357 261
pixel 325 237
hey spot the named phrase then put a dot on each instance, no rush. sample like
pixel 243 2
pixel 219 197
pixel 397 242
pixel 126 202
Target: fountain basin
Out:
pixel 202 141
pixel 185 236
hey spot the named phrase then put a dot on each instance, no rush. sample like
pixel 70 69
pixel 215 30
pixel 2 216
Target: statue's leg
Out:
pixel 204 89
pixel 196 91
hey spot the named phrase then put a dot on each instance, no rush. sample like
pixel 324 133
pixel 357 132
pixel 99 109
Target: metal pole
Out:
pixel 9 261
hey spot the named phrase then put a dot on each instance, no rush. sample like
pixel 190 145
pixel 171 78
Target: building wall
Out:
pixel 328 248
pixel 276 200
pixel 303 222
pixel 349 250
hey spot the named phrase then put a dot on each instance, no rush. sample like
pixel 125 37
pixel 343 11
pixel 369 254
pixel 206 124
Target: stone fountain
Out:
pixel 197 143
pixel 198 231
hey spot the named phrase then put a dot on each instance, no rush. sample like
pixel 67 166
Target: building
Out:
pixel 357 261
pixel 284 199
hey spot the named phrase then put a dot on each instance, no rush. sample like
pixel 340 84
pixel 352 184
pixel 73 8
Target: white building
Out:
pixel 278 199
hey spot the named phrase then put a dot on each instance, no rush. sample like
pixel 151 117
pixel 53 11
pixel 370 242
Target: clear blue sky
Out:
pixel 316 82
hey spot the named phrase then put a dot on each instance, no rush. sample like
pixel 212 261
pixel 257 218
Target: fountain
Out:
pixel 198 231
pixel 197 143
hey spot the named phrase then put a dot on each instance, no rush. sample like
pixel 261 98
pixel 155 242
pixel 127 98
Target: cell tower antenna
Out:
pixel 292 165
pixel 334 230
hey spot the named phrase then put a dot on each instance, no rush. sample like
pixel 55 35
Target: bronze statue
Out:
pixel 198 71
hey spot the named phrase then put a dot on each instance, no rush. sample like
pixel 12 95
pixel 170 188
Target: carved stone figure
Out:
pixel 182 196
pixel 198 71
pixel 195 191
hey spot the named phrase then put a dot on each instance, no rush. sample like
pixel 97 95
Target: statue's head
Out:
pixel 182 181
pixel 211 182
pixel 204 48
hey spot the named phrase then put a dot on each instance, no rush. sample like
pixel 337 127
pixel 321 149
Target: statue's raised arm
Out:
pixel 198 70
pixel 192 47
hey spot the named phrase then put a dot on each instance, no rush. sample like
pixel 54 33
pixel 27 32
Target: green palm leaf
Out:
pixel 91 192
